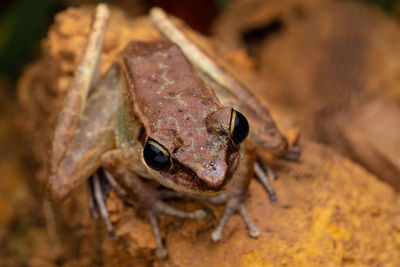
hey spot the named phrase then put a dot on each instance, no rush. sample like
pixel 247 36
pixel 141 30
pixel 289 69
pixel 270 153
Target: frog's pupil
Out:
pixel 240 128
pixel 155 158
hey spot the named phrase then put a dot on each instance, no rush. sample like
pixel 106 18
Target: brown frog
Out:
pixel 155 116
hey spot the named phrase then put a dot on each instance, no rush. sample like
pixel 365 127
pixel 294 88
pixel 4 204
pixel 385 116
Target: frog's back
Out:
pixel 166 93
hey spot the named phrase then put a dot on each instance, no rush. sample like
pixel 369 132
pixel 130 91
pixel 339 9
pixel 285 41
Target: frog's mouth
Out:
pixel 188 181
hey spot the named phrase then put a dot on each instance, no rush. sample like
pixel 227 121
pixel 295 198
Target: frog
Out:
pixel 159 125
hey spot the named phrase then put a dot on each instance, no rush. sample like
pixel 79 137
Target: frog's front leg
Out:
pixel 265 174
pixel 125 166
pixel 237 195
pixel 99 185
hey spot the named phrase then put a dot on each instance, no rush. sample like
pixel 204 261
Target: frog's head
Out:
pixel 201 154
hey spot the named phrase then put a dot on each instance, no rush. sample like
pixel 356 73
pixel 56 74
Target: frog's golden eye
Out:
pixel 239 127
pixel 157 157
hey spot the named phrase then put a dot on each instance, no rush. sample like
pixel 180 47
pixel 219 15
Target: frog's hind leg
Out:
pixel 84 128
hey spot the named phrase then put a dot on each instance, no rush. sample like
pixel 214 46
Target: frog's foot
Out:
pixel 234 203
pixel 161 207
pixel 293 153
pixel 265 174
pixel 100 184
pixel 98 189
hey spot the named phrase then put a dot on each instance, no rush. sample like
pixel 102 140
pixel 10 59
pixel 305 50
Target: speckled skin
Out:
pixel 160 97
pixel 179 111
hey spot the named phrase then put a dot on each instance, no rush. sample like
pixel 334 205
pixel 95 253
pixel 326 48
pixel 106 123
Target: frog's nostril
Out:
pixel 214 176
pixel 211 166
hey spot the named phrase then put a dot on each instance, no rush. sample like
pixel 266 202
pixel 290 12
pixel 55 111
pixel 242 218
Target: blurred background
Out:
pixel 333 65
pixel 23 23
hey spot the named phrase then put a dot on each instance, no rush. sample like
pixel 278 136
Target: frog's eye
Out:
pixel 157 157
pixel 239 127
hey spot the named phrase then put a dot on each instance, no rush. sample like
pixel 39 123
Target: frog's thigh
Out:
pixel 72 163
pixel 69 164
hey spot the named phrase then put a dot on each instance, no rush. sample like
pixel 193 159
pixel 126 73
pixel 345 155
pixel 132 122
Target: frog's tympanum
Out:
pixel 153 117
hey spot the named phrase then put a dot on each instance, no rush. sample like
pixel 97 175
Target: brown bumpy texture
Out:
pixel 329 209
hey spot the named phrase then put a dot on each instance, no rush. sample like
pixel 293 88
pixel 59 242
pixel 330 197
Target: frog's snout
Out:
pixel 214 175
pixel 217 174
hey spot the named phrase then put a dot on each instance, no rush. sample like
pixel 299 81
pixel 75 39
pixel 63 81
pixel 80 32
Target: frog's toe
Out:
pixel 98 190
pixel 160 206
pixel 169 210
pixel 199 214
pixel 117 188
pixel 216 235
pixel 161 253
pixel 265 174
pixel 235 204
pixel 219 199
pixel 271 174
pixel 253 230
pixel 231 207
pixel 293 153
